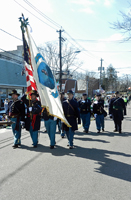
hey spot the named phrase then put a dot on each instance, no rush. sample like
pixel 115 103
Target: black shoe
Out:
pixel 67 145
pixel 15 146
pixel 62 136
pixel 71 147
pixel 120 132
pixel 103 129
pixel 98 131
pixel 115 130
pixel 35 146
pixel 51 147
pixel 86 131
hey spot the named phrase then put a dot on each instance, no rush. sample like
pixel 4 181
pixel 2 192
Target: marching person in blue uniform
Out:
pixel 72 114
pixel 85 111
pixel 16 113
pixel 117 109
pixel 50 125
pixel 33 116
pixel 98 108
pixel 60 127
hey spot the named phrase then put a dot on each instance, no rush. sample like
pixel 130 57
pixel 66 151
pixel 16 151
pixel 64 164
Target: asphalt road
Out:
pixel 98 168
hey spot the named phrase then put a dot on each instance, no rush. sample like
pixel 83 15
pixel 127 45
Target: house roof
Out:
pixel 10 74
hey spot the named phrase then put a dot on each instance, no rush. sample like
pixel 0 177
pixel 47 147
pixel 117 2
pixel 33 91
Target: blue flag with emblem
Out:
pixel 45 82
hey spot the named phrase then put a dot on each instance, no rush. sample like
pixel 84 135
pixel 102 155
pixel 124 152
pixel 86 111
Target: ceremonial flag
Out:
pixel 31 84
pixel 40 77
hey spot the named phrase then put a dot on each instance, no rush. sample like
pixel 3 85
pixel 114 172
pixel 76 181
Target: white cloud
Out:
pixel 83 2
pixel 84 5
pixel 87 10
pixel 114 37
pixel 108 2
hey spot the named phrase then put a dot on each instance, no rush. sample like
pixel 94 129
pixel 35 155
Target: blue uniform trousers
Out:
pixel 100 122
pixel 51 130
pixel 60 128
pixel 34 135
pixel 86 120
pixel 70 136
pixel 17 134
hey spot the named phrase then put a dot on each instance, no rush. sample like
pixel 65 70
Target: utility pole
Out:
pixel 60 56
pixel 87 84
pixel 100 69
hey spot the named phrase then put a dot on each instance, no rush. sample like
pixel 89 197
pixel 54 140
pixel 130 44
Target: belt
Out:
pixel 70 115
pixel 14 116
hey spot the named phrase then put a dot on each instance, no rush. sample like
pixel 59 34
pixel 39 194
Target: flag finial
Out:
pixel 24 23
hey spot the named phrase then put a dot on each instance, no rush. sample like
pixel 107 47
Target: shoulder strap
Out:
pixel 70 105
pixel 116 100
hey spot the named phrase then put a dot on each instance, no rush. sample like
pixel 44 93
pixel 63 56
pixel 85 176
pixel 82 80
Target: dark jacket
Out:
pixel 84 106
pixel 46 116
pixel 16 108
pixel 98 107
pixel 117 108
pixel 71 113
pixel 33 117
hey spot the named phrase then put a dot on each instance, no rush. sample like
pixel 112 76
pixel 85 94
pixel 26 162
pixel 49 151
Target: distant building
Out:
pixel 11 65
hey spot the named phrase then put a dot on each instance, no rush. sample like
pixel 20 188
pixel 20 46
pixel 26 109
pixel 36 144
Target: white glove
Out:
pixel 30 109
pixel 110 115
pixel 95 115
pixel 83 101
pixel 22 123
pixel 55 118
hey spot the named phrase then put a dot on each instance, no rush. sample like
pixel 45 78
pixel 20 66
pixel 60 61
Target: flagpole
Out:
pixel 24 23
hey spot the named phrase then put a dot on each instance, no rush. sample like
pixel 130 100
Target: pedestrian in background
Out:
pixel 98 108
pixel 85 112
pixel 6 104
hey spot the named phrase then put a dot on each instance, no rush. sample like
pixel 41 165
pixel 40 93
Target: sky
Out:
pixel 87 22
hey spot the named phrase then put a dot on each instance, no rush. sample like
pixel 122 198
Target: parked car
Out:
pixel 2 111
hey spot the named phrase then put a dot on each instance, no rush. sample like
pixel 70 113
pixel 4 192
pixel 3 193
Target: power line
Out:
pixel 111 51
pixel 42 14
pixel 34 15
pixel 11 34
pixel 38 11
pixel 105 41
pixel 83 49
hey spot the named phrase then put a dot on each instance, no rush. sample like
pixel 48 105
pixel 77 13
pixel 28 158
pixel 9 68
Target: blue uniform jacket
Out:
pixel 98 107
pixel 72 113
pixel 16 108
pixel 84 106
pixel 117 108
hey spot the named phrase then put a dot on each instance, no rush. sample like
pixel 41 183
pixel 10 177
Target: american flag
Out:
pixel 31 84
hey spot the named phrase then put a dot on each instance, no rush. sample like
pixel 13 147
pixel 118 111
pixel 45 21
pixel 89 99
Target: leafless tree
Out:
pixel 124 25
pixel 50 52
pixel 124 82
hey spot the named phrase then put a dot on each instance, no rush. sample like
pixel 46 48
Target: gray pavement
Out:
pixel 98 168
